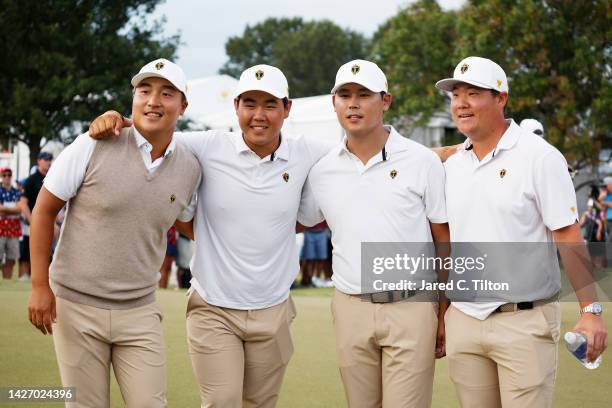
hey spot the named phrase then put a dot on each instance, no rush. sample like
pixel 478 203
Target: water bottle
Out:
pixel 576 343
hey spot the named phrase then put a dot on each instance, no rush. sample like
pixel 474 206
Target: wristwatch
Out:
pixel 594 308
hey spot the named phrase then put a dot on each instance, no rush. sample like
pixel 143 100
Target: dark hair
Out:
pixel 285 100
pixel 594 192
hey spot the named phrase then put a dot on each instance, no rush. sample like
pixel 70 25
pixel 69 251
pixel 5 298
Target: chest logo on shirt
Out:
pixel 502 173
pixel 286 177
pixel 393 173
pixel 172 198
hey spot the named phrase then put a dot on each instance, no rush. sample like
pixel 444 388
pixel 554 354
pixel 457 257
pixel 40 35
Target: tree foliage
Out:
pixel 309 53
pixel 415 49
pixel 556 53
pixel 65 60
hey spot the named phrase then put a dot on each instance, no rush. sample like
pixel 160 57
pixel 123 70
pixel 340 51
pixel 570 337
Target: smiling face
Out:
pixel 261 116
pixel 156 107
pixel 477 112
pixel 359 110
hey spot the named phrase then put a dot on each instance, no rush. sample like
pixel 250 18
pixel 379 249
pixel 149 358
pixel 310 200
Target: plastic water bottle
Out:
pixel 576 343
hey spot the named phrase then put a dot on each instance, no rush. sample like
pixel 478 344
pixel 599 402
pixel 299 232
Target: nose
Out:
pixel 258 114
pixel 459 101
pixel 354 102
pixel 154 99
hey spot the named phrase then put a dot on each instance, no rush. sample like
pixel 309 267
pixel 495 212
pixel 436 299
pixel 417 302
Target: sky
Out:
pixel 205 26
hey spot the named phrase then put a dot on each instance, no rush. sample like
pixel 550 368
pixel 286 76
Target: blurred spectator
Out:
pixel 533 126
pixel 166 267
pixel 184 248
pixel 31 187
pixel 10 224
pixel 605 199
pixel 593 223
pixel 314 255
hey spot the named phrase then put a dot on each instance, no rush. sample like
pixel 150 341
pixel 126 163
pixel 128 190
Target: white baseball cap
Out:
pixel 162 68
pixel 264 78
pixel 532 126
pixel 477 71
pixel 362 72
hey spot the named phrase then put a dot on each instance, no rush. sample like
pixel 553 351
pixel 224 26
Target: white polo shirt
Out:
pixel 364 203
pixel 245 255
pixel 519 192
pixel 67 173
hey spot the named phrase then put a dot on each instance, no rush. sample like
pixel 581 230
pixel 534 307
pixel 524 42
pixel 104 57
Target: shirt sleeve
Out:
pixel 189 212
pixel 435 198
pixel 195 142
pixel 309 213
pixel 68 171
pixel 554 191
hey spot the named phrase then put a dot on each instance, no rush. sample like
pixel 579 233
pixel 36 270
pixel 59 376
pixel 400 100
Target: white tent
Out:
pixel 210 95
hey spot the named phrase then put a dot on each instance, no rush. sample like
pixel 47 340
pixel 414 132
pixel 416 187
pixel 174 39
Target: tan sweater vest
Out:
pixel 113 240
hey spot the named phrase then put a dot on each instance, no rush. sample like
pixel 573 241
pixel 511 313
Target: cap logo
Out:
pixel 159 65
pixel 355 69
pixel 464 68
pixel 502 173
pixel 499 82
pixel 259 74
pixel 286 177
pixel 172 198
pixel 393 173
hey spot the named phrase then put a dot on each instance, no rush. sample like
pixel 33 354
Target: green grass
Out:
pixel 27 357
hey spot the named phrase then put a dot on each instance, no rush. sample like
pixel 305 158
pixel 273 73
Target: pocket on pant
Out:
pixel 284 342
pixel 292 311
pixel 552 316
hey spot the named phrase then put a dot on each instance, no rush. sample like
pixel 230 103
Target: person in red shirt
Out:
pixel 10 224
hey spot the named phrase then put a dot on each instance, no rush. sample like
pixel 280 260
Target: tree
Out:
pixel 65 61
pixel 557 55
pixel 308 53
pixel 415 49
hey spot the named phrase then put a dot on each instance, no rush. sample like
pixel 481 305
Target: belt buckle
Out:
pixel 381 297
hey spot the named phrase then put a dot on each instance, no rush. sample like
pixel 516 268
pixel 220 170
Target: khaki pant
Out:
pixel 385 351
pixel 88 340
pixel 239 356
pixel 509 359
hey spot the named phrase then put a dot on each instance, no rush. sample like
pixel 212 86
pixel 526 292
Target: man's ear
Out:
pixel 288 108
pixel 387 99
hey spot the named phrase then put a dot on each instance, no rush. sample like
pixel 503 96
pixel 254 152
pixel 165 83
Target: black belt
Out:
pixel 388 296
pixel 513 307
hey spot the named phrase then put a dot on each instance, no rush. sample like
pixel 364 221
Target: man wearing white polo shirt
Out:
pixel 507 186
pixel 239 310
pixel 378 186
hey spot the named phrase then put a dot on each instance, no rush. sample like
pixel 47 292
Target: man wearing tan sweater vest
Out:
pixel 97 297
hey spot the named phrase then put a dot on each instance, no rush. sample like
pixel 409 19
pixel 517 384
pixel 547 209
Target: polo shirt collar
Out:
pixel 143 143
pixel 393 145
pixel 507 141
pixel 282 152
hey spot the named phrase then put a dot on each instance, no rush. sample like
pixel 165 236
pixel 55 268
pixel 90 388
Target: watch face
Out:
pixel 597 308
